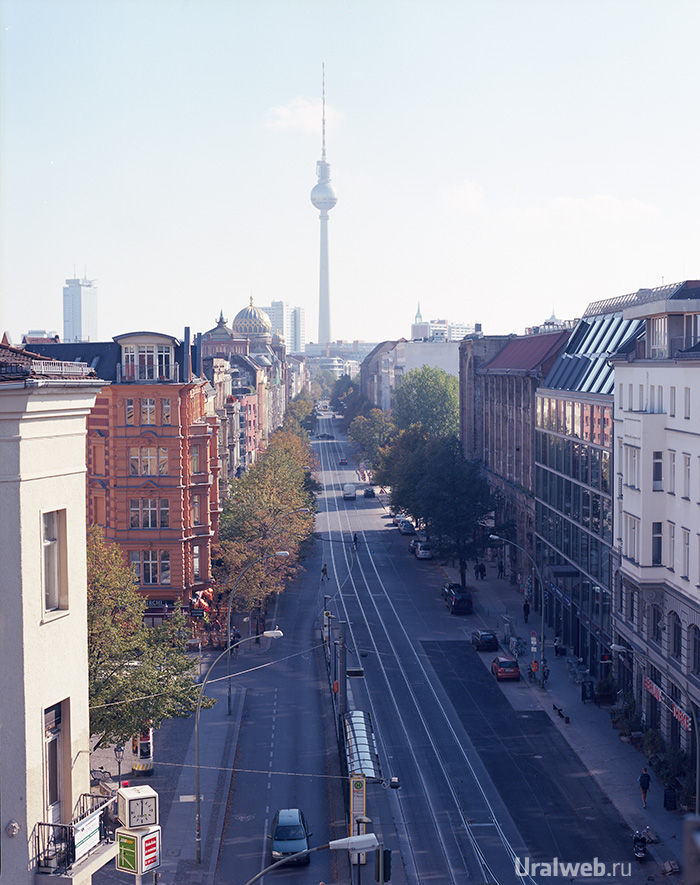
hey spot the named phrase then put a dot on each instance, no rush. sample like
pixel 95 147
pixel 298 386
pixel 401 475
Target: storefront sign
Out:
pixel 653 689
pixel 681 716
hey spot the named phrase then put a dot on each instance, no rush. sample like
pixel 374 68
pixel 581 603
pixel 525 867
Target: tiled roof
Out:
pixel 18 365
pixel 528 353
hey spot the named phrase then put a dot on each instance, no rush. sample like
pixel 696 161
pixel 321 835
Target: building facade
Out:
pixel 290 323
pixel 80 310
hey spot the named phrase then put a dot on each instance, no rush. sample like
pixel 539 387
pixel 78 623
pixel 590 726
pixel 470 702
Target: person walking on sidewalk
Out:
pixel 324 573
pixel 501 569
pixel 644 782
pixel 526 610
pixel 482 570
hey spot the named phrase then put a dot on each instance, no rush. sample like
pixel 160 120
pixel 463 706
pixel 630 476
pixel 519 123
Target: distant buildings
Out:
pixel 79 311
pixel 441 330
pixel 290 323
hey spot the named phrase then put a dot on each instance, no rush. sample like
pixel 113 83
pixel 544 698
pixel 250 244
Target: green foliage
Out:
pixel 369 434
pixel 674 765
pixel 348 399
pixel 136 674
pixel 428 396
pixel 653 743
pixel 260 519
pixel 402 464
pixel 298 417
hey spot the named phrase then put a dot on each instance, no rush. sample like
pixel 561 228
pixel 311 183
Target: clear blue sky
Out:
pixel 496 160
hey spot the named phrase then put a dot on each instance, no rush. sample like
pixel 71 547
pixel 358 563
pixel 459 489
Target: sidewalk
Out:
pixel 615 764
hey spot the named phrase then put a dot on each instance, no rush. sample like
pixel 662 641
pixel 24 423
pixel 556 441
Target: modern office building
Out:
pixel 50 822
pixel 79 311
pixel 290 323
pixel 441 330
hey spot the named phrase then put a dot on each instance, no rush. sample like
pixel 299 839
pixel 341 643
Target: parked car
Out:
pixel 423 550
pixel 406 527
pixel 505 668
pixel 449 587
pixel 342 461
pixel 398 516
pixel 485 640
pixel 289 834
pixel 459 602
pixel 413 543
pixel 369 492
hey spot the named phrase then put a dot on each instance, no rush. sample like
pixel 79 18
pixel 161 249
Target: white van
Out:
pixel 349 492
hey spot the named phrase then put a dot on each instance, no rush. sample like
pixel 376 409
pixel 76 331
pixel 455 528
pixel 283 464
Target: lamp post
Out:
pixel 119 756
pixel 543 660
pixel 623 649
pixel 270 634
pixel 232 593
pixel 366 842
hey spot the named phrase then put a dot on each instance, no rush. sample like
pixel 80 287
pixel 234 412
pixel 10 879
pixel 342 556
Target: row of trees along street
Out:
pixel 140 674
pixel 415 451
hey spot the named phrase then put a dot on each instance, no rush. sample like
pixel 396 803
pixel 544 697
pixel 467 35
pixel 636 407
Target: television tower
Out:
pixel 324 198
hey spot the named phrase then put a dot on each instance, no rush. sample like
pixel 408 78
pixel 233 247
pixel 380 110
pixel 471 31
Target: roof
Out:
pixel 528 353
pixel 584 364
pixel 670 291
pixel 102 356
pixel 17 364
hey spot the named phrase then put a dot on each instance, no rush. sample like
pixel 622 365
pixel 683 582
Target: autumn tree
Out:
pixel 263 515
pixel 137 674
pixel 428 396
pixel 369 434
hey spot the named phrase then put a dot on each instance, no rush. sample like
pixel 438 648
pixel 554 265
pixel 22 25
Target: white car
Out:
pixel 423 551
pixel 406 527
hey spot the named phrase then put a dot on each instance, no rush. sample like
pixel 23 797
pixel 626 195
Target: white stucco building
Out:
pixel 44 719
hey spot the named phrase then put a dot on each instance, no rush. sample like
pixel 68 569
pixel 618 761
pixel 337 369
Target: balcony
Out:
pixel 70 851
pixel 148 374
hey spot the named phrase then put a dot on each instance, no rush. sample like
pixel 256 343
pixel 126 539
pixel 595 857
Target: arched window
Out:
pixel 694 648
pixel 676 637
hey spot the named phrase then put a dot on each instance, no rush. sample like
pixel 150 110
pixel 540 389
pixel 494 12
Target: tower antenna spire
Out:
pixel 323 117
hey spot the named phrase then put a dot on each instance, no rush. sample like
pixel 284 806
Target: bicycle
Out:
pixel 100 775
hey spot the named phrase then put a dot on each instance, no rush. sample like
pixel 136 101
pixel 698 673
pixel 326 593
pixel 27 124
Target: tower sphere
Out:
pixel 323 196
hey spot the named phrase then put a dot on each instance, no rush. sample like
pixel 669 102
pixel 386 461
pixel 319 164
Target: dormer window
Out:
pixel 147 362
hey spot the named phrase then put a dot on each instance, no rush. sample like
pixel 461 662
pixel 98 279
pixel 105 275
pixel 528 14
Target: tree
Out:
pixel 401 464
pixel 453 499
pixel 137 674
pixel 428 396
pixel 262 516
pixel 370 433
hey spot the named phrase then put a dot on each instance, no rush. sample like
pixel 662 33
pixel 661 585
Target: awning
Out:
pixel 360 746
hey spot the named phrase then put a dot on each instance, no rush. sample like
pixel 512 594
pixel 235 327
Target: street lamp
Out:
pixel 231 594
pixel 623 649
pixel 365 842
pixel 270 634
pixel 119 757
pixel 543 660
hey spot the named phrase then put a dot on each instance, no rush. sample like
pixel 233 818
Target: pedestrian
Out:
pixel 526 610
pixel 644 783
pixel 354 541
pixel 500 566
pixel 476 569
pixel 324 573
pixel 482 570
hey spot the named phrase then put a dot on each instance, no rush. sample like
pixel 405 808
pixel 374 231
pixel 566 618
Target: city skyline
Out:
pixel 498 162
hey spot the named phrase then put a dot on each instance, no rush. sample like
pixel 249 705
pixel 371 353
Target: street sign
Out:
pixel 138 849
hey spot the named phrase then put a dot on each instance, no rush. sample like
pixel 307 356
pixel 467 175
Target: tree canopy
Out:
pixel 137 674
pixel 428 396
pixel 369 434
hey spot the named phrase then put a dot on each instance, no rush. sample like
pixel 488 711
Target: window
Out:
pixel 52 762
pixel 164 362
pixel 655 626
pixel 196 510
pixel 672 402
pixel 148 411
pixel 656 329
pixel 656 544
pixel 165 408
pixel 148 461
pixel 194 459
pixel 632 467
pixel 686 476
pixel 134 513
pixel 652 398
pixel 129 411
pixel 164 513
pixel 672 473
pixel 151 566
pixel 686 553
pixel 632 610
pixel 660 400
pixel 686 402
pixel 694 644
pixel 149 513
pixel 196 563
pixel 641 397
pixel 671 546
pixel 53 539
pixel 630 398
pixel 631 538
pixel 676 636
pixel 657 471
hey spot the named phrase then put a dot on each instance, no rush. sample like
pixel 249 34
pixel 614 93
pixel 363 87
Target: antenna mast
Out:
pixel 323 118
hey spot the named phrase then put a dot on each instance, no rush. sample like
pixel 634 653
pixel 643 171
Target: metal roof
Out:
pixel 360 746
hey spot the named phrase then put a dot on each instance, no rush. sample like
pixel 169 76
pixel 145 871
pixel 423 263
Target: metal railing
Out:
pixel 59 846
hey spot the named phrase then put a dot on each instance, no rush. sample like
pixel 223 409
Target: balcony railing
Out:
pixel 59 846
pixel 147 374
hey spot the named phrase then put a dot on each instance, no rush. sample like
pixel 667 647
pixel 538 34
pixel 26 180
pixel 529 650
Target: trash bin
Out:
pixel 670 798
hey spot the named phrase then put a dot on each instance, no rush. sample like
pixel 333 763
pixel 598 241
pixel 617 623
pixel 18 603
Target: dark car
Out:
pixel 485 640
pixel 459 601
pixel 368 493
pixel 505 668
pixel 342 460
pixel 289 834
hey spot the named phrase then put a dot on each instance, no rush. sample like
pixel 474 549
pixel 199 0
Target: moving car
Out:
pixel 369 493
pixel 485 640
pixel 349 491
pixel 459 601
pixel 505 668
pixel 423 550
pixel 342 460
pixel 289 834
